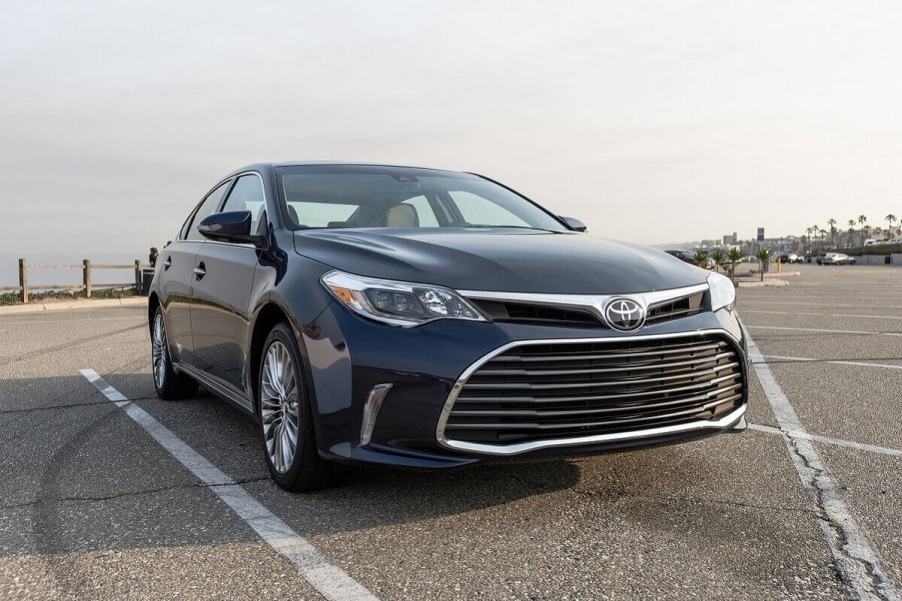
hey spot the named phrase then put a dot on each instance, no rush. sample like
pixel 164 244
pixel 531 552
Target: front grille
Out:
pixel 537 313
pixel 562 314
pixel 535 392
pixel 680 307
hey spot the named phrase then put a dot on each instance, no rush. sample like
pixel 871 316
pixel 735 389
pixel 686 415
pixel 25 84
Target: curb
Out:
pixel 765 284
pixel 73 305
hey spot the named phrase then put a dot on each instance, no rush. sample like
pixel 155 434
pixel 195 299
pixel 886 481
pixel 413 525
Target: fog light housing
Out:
pixel 371 412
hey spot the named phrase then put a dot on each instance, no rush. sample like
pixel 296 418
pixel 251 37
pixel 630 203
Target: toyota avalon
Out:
pixel 433 319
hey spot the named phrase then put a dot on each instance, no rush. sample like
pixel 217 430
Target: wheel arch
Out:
pixel 267 317
pixel 153 301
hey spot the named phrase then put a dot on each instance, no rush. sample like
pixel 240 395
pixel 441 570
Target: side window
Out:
pixel 425 214
pixel 247 195
pixel 207 207
pixel 477 210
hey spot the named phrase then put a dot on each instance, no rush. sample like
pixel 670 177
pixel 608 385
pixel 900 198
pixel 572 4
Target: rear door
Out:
pixel 221 288
pixel 176 275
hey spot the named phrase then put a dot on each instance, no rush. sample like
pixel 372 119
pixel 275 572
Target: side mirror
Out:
pixel 230 226
pixel 574 224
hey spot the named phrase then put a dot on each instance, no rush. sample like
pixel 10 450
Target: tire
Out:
pixel 170 385
pixel 284 404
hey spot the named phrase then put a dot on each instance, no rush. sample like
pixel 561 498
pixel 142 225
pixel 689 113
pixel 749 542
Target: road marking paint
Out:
pixel 834 361
pixel 838 442
pixel 748 301
pixel 825 331
pixel 860 565
pixel 330 580
pixel 822 314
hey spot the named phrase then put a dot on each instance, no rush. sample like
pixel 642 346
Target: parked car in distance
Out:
pixel 431 319
pixel 790 258
pixel 871 242
pixel 837 259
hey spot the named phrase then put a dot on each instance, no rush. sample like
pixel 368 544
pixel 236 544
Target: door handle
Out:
pixel 200 271
pixel 167 263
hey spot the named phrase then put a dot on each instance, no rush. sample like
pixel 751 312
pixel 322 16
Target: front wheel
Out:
pixel 169 384
pixel 286 417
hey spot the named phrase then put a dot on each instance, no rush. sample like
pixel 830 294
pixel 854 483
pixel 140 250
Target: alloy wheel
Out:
pixel 158 350
pixel 279 406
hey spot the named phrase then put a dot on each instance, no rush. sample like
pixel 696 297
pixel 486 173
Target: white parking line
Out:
pixel 839 442
pixel 331 581
pixel 834 361
pixel 750 301
pixel 856 315
pixel 860 565
pixel 825 331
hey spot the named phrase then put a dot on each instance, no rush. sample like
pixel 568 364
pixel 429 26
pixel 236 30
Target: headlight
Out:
pixel 723 293
pixel 398 303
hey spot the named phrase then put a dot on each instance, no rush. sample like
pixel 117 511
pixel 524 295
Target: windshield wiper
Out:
pixel 515 227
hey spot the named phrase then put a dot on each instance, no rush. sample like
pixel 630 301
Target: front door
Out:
pixel 221 293
pixel 177 277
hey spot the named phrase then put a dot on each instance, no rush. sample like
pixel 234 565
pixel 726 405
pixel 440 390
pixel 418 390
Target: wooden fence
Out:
pixel 86 285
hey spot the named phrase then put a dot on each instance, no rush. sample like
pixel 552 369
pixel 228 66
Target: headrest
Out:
pixel 402 216
pixel 293 215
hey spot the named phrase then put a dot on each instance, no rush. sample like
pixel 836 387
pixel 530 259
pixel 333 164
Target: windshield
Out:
pixel 357 196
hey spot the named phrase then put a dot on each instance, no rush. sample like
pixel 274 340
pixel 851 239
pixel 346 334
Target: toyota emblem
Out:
pixel 624 314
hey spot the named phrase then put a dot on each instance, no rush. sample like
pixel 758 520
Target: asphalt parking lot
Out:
pixel 93 506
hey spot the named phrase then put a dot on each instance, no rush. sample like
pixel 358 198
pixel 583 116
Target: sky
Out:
pixel 652 121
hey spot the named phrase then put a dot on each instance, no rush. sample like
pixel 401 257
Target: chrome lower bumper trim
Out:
pixel 513 449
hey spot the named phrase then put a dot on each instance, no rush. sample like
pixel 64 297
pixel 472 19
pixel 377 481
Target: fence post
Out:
pixel 23 280
pixel 86 276
pixel 137 276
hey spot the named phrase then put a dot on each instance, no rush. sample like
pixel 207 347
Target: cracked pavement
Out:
pixel 92 507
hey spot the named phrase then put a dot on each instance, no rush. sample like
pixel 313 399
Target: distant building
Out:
pixel 730 239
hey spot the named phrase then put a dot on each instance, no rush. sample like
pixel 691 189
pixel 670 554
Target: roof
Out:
pixel 271 165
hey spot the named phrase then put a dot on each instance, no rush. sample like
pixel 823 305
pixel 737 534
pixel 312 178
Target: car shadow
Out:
pixel 79 474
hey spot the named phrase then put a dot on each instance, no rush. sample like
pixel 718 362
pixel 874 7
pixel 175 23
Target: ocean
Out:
pixel 9 269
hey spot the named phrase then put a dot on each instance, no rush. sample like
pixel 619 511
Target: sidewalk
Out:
pixel 67 305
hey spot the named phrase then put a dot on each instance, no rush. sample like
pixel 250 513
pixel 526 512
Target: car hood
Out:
pixel 504 260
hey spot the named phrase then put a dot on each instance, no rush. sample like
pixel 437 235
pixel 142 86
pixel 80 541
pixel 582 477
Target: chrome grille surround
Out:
pixel 514 448
pixel 592 303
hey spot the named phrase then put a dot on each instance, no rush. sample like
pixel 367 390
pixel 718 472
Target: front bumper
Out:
pixel 351 356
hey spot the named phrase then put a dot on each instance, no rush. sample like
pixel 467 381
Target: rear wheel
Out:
pixel 169 384
pixel 286 417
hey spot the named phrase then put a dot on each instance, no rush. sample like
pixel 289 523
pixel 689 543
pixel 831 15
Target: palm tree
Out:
pixel 862 219
pixel 890 219
pixel 718 256
pixel 763 256
pixel 734 255
pixel 851 230
pixel 832 223
pixel 701 258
